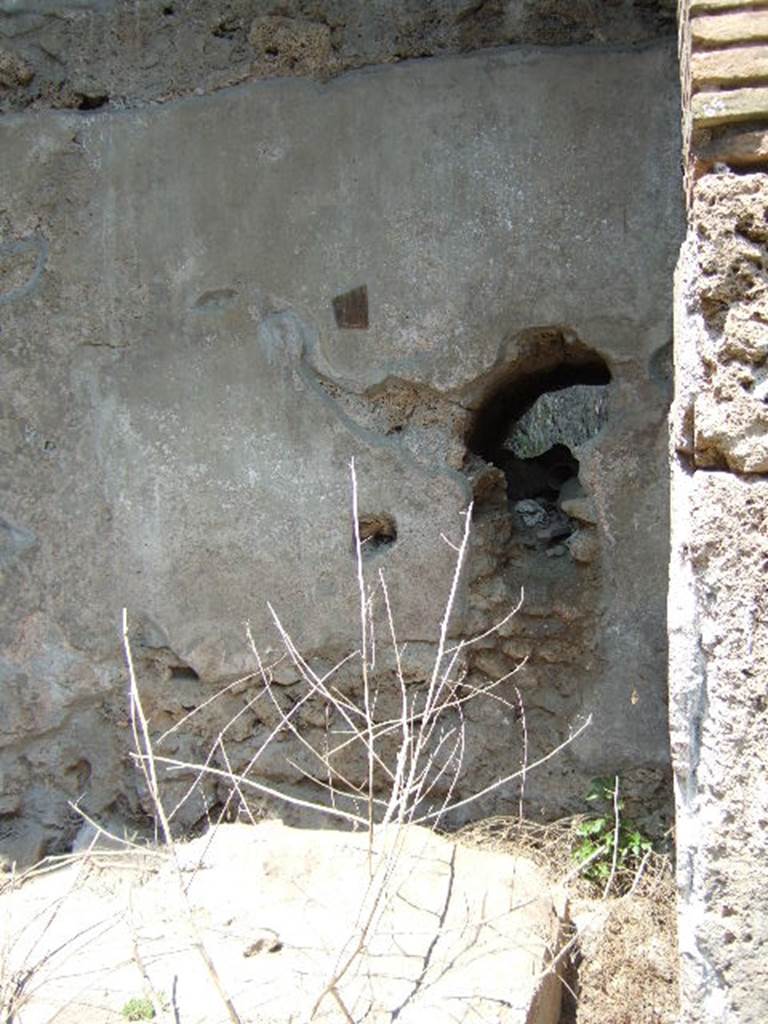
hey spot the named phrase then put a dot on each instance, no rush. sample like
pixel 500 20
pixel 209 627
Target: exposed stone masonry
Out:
pixel 724 59
pixel 717 612
pixel 86 54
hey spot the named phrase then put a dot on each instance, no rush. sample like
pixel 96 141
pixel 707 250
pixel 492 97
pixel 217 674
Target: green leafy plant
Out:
pixel 139 1008
pixel 609 846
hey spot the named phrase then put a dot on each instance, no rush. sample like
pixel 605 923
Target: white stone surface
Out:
pixel 444 932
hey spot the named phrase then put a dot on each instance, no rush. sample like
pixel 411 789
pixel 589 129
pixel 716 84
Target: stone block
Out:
pixel 732 434
pixel 737 148
pixel 13 70
pixel 741 64
pixel 570 417
pixel 445 932
pixel 713 108
pixel 723 29
pixel 582 509
pixel 696 6
pixel 583 546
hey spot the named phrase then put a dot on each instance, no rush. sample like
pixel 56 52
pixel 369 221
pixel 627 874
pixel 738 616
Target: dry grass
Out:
pixel 629 967
pixel 624 963
pixel 547 845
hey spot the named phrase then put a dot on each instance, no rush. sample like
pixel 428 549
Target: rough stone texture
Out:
pixel 717 592
pixel 571 416
pixel 13 71
pixel 738 27
pixel 119 52
pixel 725 99
pixel 737 149
pixel 695 6
pixel 714 108
pixel 718 642
pixel 181 409
pixel 729 66
pixel 627 960
pixel 727 416
pixel 292 46
pixel 458 934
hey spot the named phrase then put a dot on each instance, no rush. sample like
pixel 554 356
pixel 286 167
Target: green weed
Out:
pixel 598 836
pixel 139 1008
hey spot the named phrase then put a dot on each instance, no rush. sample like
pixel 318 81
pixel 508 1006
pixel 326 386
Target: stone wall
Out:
pixel 210 305
pixel 87 54
pixel 718 642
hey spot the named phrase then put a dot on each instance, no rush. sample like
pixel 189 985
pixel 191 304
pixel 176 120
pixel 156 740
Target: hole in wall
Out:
pixel 78 776
pixel 180 672
pixel 377 530
pixel 530 425
pixel 226 28
pixel 95 101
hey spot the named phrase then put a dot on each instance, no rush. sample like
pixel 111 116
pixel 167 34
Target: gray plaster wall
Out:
pixel 180 408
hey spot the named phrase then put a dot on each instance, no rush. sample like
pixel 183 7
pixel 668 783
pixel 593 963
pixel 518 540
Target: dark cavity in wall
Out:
pixel 535 416
pixel 376 531
pixel 512 399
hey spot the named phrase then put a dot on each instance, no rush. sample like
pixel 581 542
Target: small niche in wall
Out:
pixel 531 425
pixel 377 531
